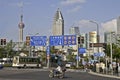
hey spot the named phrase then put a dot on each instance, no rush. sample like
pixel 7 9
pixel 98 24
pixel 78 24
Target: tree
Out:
pixel 9 49
pixel 2 52
pixel 116 51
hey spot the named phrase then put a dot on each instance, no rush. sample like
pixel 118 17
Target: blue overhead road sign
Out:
pixel 38 40
pixel 55 40
pixel 69 39
pixel 62 40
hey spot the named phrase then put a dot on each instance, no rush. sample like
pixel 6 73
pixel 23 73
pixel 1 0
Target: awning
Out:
pixel 99 54
pixel 82 50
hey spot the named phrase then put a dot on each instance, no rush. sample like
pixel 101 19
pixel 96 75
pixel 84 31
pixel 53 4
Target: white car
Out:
pixel 69 64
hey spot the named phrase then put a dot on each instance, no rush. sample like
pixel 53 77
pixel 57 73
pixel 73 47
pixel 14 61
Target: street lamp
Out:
pixel 111 54
pixel 97 32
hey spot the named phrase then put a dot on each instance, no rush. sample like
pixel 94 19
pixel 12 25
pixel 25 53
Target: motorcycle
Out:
pixel 54 73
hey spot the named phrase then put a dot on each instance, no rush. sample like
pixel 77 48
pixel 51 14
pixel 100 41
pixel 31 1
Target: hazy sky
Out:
pixel 38 16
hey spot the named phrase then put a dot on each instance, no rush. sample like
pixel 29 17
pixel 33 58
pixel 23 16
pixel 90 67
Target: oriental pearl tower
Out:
pixel 21 26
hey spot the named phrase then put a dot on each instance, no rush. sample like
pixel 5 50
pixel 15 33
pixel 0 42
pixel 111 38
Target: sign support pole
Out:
pixel 48 54
pixel 77 53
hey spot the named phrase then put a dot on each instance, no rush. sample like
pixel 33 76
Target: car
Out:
pixel 1 66
pixel 69 64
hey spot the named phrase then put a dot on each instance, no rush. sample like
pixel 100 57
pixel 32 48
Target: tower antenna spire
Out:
pixel 21 24
pixel 21 4
pixel 21 10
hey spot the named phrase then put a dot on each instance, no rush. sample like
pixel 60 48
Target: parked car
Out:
pixel 70 64
pixel 1 66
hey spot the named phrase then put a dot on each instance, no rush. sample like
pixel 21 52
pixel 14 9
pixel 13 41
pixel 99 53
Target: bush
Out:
pixel 7 65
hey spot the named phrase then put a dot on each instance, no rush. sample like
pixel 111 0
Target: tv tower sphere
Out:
pixel 21 24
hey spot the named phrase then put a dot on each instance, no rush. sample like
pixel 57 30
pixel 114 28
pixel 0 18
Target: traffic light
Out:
pixel 4 41
pixel 28 40
pixel 1 41
pixel 105 47
pixel 81 40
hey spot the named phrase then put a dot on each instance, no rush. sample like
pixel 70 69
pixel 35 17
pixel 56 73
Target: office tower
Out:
pixel 109 37
pixel 93 37
pixel 118 28
pixel 74 30
pixel 118 25
pixel 58 24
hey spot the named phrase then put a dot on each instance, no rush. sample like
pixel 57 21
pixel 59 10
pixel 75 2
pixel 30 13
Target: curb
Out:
pixel 104 75
pixel 75 70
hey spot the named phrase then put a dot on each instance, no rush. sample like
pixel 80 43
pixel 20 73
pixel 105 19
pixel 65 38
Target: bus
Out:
pixel 4 61
pixel 27 62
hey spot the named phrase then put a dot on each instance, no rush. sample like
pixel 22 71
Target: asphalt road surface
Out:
pixel 40 74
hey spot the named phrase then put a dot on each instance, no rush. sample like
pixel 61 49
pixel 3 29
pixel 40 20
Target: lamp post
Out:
pixel 77 57
pixel 111 54
pixel 97 32
pixel 48 53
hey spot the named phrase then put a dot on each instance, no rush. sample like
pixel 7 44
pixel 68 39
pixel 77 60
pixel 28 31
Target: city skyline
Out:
pixel 38 16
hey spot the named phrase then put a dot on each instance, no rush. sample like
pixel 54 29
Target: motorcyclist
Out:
pixel 58 69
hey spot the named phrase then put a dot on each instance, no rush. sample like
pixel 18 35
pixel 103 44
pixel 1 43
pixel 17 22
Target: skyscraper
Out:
pixel 93 36
pixel 74 30
pixel 118 28
pixel 110 37
pixel 58 24
pixel 118 25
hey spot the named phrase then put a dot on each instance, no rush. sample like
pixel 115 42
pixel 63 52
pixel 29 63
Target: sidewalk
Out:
pixel 104 75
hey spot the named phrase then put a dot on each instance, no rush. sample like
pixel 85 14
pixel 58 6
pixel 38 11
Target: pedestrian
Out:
pixel 97 67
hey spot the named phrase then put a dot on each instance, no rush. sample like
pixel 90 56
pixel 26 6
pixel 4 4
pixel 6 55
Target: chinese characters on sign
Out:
pixel 56 40
pixel 38 40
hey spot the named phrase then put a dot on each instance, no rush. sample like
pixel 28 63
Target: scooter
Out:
pixel 54 73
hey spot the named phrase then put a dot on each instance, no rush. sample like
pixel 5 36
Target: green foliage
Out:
pixel 115 51
pixel 71 57
pixel 7 50
pixel 2 52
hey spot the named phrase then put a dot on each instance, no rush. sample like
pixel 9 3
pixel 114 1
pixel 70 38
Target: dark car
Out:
pixel 1 66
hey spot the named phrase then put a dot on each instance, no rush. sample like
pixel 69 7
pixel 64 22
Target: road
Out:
pixel 40 74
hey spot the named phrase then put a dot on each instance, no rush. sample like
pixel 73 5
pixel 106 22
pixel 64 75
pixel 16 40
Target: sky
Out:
pixel 38 16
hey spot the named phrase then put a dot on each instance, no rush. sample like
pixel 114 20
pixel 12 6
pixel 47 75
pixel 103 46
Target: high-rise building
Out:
pixel 110 37
pixel 118 25
pixel 58 24
pixel 118 28
pixel 93 36
pixel 74 30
